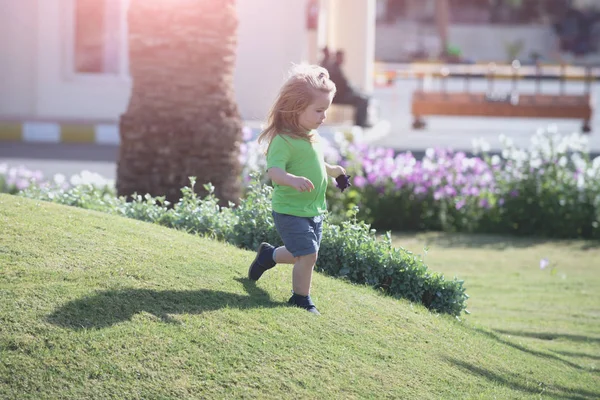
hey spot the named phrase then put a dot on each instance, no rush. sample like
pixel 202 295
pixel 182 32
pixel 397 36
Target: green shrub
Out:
pixel 254 223
pixel 349 250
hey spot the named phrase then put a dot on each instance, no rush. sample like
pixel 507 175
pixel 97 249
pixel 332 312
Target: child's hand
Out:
pixel 336 170
pixel 301 184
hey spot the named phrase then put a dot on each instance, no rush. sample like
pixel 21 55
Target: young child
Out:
pixel 299 173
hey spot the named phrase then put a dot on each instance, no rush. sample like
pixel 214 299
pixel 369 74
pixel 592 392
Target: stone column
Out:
pixel 351 27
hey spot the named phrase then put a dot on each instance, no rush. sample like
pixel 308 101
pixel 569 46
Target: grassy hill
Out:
pixel 97 306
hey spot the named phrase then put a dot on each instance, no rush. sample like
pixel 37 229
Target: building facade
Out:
pixel 67 60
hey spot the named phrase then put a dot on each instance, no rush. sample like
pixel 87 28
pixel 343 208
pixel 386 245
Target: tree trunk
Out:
pixel 442 17
pixel 182 119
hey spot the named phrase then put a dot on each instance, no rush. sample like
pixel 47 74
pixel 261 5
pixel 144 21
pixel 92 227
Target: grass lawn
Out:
pixel 97 306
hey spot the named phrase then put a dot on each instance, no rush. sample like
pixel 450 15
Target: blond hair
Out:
pixel 296 94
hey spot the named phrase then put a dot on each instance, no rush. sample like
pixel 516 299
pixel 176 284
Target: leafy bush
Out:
pixel 254 219
pixel 550 189
pixel 352 251
pixel 349 250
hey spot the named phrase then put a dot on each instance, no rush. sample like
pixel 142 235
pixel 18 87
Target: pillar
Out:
pixel 351 27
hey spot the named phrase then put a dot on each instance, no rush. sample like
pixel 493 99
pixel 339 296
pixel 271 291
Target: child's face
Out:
pixel 316 112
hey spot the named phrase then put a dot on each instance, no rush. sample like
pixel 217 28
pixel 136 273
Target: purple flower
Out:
pixel 420 190
pixel 22 184
pixel 544 263
pixel 473 191
pixel 372 178
pixel 460 204
pixel 360 181
pixel 450 191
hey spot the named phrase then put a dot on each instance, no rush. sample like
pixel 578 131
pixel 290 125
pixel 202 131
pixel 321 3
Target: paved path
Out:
pixel 64 158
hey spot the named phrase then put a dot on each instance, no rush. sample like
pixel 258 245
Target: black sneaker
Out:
pixel 262 262
pixel 304 302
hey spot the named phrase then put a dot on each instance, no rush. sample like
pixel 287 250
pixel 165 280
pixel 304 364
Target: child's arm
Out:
pixel 335 170
pixel 281 177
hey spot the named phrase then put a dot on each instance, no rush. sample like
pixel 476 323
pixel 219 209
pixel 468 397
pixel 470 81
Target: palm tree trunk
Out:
pixel 182 119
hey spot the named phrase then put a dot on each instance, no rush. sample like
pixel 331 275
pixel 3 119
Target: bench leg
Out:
pixel 586 128
pixel 418 123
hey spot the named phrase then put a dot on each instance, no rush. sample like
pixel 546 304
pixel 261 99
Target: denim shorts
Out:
pixel 300 235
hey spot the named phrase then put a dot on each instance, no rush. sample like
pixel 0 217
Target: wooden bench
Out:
pixel 519 106
pixel 512 104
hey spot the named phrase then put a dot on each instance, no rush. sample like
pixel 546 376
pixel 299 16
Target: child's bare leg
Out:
pixel 283 256
pixel 302 274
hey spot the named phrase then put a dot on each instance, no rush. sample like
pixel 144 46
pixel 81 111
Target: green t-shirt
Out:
pixel 301 158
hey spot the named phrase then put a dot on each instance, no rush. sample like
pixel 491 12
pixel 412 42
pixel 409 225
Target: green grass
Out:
pixel 97 306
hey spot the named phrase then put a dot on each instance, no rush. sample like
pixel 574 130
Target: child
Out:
pixel 299 173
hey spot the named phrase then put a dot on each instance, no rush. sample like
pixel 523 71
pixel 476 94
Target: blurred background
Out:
pixel 65 68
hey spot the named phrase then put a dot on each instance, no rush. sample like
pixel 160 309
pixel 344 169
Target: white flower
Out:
pixel 495 160
pixel 536 163
pixel 578 161
pixel 480 145
pixel 86 177
pixel 596 163
pixel 485 146
pixel 580 181
pixel 544 263
pixel 59 179
pixel 578 142
pixel 590 172
pixel 562 162
pixel 506 141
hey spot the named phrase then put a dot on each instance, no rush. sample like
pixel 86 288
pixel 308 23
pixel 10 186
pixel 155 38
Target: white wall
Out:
pixel 271 36
pixel 36 80
pixel 18 21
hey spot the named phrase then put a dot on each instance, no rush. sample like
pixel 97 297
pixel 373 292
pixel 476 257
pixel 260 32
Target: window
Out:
pixel 98 40
pixel 97 36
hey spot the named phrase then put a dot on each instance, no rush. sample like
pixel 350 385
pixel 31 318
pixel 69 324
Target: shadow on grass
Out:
pixel 577 355
pixel 489 241
pixel 535 353
pixel 550 336
pixel 106 308
pixel 515 382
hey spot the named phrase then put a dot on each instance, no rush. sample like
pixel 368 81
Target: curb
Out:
pixel 55 132
pixel 105 133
